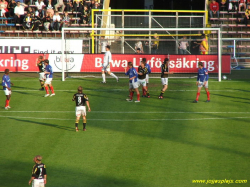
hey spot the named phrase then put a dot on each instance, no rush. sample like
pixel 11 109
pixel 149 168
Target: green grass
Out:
pixel 155 143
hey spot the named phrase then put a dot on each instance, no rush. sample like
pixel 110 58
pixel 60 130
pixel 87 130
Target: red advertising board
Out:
pixel 93 62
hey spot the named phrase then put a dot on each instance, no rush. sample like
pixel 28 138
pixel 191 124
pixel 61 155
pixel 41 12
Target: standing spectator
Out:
pixel 155 44
pixel 247 14
pixel 49 76
pixel 19 12
pixel 204 45
pixel 81 100
pixel 56 21
pixel 242 3
pixel 85 15
pixel 183 46
pixel 11 8
pixel 60 3
pixel 66 20
pixel 223 5
pixel 46 21
pixel 39 174
pixel 138 45
pixel 202 81
pixel 106 65
pixel 214 9
pixel 28 22
pixel 165 71
pixel 7 87
pixel 78 5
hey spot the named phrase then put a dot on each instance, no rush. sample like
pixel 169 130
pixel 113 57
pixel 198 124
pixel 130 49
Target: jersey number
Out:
pixel 79 100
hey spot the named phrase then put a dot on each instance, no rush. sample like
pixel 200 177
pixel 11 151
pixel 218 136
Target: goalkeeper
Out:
pixel 106 65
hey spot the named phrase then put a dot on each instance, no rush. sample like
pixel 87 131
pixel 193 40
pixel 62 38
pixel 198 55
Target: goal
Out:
pixel 122 41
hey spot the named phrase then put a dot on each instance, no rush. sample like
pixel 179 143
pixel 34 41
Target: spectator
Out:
pixel 3 8
pixel 247 13
pixel 56 21
pixel 183 46
pixel 85 15
pixel 138 45
pixel 27 22
pixel 232 6
pixel 214 9
pixel 66 20
pixel 242 3
pixel 31 10
pixel 155 44
pixel 11 8
pixel 223 5
pixel 46 21
pixel 50 7
pixel 248 2
pixel 36 21
pixel 19 12
pixel 78 5
pixel 60 3
pixel 69 5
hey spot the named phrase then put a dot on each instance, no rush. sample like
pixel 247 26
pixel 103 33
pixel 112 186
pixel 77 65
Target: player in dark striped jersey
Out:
pixel 81 100
pixel 41 67
pixel 202 81
pixel 142 71
pixel 147 75
pixel 39 174
pixel 165 71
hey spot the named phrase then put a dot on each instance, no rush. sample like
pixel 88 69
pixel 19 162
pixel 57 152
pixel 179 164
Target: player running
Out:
pixel 165 71
pixel 132 82
pixel 39 175
pixel 142 71
pixel 7 87
pixel 106 65
pixel 202 81
pixel 49 76
pixel 41 67
pixel 81 100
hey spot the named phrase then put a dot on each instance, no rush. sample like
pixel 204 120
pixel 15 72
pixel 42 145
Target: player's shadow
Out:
pixel 45 124
pixel 231 97
pixel 240 90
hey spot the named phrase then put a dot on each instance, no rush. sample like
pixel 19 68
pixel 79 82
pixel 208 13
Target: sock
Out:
pixel 147 93
pixel 113 75
pixel 162 92
pixel 52 89
pixel 131 95
pixel 84 123
pixel 76 123
pixel 208 95
pixel 7 102
pixel 103 77
pixel 42 84
pixel 138 97
pixel 197 96
pixel 47 90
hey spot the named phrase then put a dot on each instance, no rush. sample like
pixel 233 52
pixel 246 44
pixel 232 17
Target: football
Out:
pixel 224 77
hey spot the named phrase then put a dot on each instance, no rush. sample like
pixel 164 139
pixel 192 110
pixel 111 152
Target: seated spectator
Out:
pixel 242 3
pixel 69 5
pixel 36 21
pixel 85 15
pixel 49 7
pixel 97 6
pixel 46 21
pixel 30 10
pixel 214 9
pixel 40 6
pixel 223 5
pixel 248 2
pixel 55 25
pixel 27 22
pixel 233 5
pixel 4 9
pixel 66 20
pixel 60 3
pixel 78 5
pixel 11 8
pixel 247 14
pixel 19 12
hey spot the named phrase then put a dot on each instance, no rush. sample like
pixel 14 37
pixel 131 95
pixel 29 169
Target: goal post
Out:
pixel 122 33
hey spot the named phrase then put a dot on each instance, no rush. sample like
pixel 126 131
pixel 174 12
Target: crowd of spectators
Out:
pixel 32 14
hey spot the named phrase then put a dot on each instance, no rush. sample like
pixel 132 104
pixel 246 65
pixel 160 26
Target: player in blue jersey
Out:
pixel 147 76
pixel 7 87
pixel 49 76
pixel 202 80
pixel 133 85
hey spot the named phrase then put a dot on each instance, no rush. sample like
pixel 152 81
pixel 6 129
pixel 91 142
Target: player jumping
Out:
pixel 202 80
pixel 132 82
pixel 80 99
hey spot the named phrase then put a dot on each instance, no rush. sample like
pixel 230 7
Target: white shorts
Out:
pixel 141 82
pixel 105 68
pixel 201 84
pixel 147 78
pixel 38 183
pixel 41 76
pixel 241 4
pixel 164 81
pixel 7 92
pixel 80 110
pixel 48 81
pixel 133 85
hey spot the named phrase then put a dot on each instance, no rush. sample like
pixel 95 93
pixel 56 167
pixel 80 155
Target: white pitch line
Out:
pixel 126 112
pixel 194 119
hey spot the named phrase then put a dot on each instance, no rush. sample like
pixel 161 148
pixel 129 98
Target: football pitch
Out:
pixel 154 143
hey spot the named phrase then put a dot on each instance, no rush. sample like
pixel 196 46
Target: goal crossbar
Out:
pixel 92 31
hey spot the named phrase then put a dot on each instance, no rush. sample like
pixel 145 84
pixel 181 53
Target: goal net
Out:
pixel 180 45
